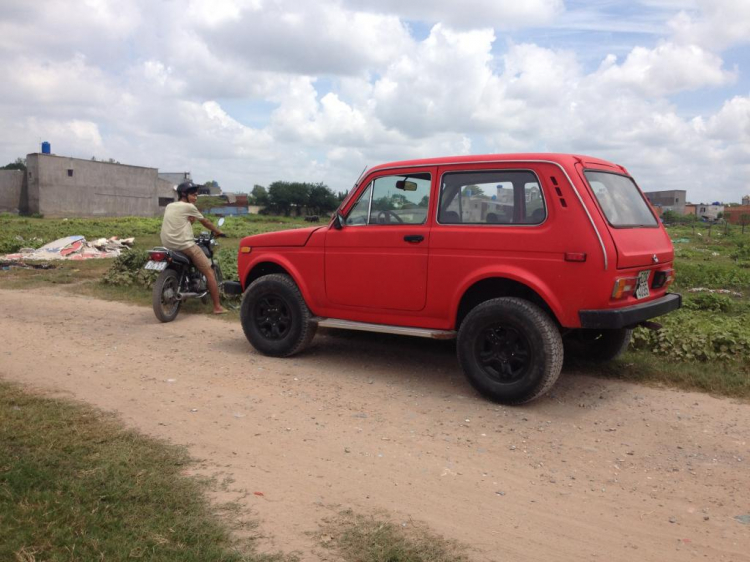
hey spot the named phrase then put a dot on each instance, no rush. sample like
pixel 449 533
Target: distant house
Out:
pixel 673 200
pixel 746 200
pixel 709 212
pixel 690 209
pixel 733 215
pixel 175 178
pixel 61 186
pixel 210 188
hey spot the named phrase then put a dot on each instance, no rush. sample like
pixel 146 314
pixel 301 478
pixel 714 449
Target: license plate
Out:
pixel 156 265
pixel 641 291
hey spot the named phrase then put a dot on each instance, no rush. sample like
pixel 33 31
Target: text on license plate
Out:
pixel 156 265
pixel 641 290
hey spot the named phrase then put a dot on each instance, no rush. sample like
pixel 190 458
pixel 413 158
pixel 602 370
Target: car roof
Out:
pixel 486 158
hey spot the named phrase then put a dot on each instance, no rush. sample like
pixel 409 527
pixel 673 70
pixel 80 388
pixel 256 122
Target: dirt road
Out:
pixel 598 470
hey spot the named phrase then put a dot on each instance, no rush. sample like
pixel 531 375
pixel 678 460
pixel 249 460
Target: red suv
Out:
pixel 520 257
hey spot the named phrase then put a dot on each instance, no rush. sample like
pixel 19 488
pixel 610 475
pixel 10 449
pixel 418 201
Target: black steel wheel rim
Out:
pixel 504 353
pixel 169 300
pixel 272 317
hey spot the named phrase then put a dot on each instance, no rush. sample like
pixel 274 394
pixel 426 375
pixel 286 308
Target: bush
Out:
pixel 710 302
pixel 715 276
pixel 127 270
pixel 697 337
pixel 227 260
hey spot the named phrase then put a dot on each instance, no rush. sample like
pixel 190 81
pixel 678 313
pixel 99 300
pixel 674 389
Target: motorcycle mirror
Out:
pixel 221 221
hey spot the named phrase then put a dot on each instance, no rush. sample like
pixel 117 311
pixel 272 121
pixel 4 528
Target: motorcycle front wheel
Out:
pixel 165 300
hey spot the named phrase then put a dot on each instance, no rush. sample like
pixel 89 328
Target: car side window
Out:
pixel 359 213
pixel 491 197
pixel 397 199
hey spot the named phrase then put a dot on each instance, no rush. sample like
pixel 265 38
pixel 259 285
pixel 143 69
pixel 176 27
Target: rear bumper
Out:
pixel 629 316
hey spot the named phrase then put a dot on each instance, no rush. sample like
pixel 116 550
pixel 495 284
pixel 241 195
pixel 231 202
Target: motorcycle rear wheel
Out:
pixel 164 297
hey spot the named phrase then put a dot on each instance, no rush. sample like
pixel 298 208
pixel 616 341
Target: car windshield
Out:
pixel 620 199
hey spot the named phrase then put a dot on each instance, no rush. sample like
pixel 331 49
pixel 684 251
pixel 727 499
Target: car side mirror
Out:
pixel 338 221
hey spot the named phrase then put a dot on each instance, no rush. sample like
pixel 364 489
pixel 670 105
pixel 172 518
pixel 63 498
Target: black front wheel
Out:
pixel 275 317
pixel 164 298
pixel 510 350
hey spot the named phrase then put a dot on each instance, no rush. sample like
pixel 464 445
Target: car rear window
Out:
pixel 620 199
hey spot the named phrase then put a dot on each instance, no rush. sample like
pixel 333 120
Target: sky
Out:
pixel 249 92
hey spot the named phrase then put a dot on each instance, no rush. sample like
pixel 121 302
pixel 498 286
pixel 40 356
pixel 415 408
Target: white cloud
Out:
pixel 498 14
pixel 344 83
pixel 666 69
pixel 716 25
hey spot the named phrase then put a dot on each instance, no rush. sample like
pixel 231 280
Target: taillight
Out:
pixel 624 287
pixel 157 256
pixel 663 279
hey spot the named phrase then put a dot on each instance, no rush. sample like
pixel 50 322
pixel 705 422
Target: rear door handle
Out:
pixel 413 238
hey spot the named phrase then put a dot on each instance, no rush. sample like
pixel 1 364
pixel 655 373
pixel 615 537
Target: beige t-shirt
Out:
pixel 177 230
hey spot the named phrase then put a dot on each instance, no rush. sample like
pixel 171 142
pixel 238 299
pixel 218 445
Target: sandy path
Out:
pixel 598 470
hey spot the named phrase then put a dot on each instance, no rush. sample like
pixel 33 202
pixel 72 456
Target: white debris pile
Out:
pixel 714 291
pixel 74 248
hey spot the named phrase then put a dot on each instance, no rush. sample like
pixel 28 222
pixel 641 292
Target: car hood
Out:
pixel 293 237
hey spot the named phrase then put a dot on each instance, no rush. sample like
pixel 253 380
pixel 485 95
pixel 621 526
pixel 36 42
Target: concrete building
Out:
pixel 58 186
pixel 12 192
pixel 176 178
pixel 668 200
pixel 746 200
pixel 709 212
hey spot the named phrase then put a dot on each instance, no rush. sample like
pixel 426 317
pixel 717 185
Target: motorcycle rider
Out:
pixel 177 234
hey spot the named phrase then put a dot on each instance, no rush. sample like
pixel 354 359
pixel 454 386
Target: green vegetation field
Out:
pixel 705 346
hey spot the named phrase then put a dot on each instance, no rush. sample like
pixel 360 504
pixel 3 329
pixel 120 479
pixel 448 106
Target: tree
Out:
pixel 259 195
pixel 321 199
pixel 19 164
pixel 744 221
pixel 284 196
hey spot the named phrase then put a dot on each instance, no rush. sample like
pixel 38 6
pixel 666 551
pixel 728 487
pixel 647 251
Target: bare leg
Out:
pixel 213 288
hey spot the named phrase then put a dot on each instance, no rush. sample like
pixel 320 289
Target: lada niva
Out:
pixel 520 257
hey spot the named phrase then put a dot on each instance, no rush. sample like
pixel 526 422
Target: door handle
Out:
pixel 413 238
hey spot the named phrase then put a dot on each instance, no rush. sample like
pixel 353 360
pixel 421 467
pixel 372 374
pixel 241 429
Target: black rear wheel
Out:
pixel 275 317
pixel 510 350
pixel 164 297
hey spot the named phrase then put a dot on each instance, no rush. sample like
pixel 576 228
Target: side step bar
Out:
pixel 385 329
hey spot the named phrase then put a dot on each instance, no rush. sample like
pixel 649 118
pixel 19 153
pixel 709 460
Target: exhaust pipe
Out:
pixel 183 296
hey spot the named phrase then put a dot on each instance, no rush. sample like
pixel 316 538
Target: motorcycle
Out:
pixel 179 279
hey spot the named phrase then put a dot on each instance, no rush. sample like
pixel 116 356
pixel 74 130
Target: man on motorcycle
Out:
pixel 177 234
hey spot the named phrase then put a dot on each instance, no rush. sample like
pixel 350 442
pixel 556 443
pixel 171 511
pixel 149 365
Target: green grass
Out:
pixel 368 539
pixel 75 485
pixel 731 379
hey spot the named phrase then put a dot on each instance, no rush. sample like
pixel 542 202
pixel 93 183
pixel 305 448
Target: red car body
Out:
pixel 426 264
pixel 370 274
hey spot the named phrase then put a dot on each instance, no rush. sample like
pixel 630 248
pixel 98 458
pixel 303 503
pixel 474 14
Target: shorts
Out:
pixel 198 258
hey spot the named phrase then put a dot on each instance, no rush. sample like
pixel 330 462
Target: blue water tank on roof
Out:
pixel 46 148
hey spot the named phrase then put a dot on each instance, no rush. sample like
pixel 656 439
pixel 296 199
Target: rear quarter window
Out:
pixel 620 200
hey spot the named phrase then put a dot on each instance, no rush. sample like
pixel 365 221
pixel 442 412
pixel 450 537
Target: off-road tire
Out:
pixel 275 317
pixel 510 350
pixel 167 279
pixel 597 346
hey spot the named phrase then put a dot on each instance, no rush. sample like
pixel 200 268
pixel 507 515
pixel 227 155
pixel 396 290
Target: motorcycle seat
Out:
pixel 179 257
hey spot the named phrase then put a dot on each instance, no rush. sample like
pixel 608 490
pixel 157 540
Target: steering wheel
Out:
pixel 384 217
